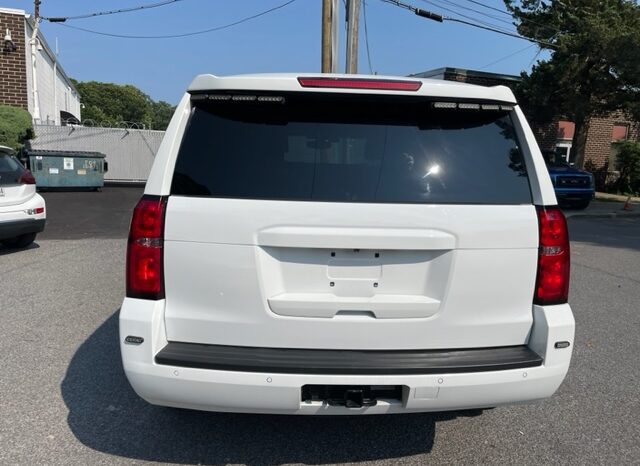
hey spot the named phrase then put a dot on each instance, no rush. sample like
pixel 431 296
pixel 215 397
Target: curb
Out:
pixel 603 215
pixel 615 197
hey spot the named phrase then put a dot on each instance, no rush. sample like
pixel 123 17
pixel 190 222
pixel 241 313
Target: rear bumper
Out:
pixel 15 219
pixel 345 362
pixel 11 229
pixel 273 391
pixel 575 194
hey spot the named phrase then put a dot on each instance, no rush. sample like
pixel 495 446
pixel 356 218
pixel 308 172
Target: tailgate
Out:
pixel 417 277
pixel 355 222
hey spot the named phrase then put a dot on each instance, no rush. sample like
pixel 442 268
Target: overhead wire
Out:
pixel 524 20
pixel 186 34
pixel 470 18
pixel 490 7
pixel 366 34
pixel 506 57
pixel 517 36
pixel 535 57
pixel 61 19
pixel 466 8
pixel 473 22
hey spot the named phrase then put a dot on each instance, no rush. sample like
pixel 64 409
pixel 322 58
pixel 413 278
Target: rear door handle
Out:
pixel 356 238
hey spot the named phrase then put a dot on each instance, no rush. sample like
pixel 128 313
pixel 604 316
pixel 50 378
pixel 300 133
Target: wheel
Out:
pixel 21 241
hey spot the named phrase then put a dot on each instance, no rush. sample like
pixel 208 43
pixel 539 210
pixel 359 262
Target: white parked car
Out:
pixel 22 210
pixel 343 244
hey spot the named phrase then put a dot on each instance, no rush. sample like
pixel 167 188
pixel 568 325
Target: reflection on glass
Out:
pixel 434 170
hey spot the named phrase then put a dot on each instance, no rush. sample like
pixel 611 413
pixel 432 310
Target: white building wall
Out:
pixel 55 91
pixel 28 30
pixel 67 97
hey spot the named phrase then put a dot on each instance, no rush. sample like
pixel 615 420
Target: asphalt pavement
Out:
pixel 606 209
pixel 64 398
pixel 90 214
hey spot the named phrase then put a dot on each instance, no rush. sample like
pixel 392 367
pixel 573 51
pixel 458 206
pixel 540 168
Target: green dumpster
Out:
pixel 67 169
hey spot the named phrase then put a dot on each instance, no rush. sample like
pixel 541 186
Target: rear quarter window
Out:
pixel 10 170
pixel 339 148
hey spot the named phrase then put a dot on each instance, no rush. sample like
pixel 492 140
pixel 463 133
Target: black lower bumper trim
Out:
pixel 356 362
pixel 11 229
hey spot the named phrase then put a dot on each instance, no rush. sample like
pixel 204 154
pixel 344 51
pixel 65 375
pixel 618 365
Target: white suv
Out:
pixel 22 210
pixel 342 244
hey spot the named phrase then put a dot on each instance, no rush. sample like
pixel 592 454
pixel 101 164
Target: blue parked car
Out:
pixel 574 188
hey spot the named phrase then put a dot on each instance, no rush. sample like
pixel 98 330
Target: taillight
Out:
pixel 552 283
pixel 361 83
pixel 27 178
pixel 145 274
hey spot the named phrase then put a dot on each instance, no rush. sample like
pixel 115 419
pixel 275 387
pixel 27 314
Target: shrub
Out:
pixel 16 127
pixel 628 163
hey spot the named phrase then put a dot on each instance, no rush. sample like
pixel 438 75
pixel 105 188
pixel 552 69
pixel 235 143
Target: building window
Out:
pixel 566 129
pixel 564 138
pixel 620 132
pixel 563 149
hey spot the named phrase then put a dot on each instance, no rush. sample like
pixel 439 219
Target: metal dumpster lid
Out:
pixel 65 153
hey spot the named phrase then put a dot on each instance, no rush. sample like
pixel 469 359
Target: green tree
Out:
pixel 594 67
pixel 161 113
pixel 628 163
pixel 109 103
pixel 96 115
pixel 16 127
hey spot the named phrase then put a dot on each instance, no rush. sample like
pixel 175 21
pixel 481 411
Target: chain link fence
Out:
pixel 129 151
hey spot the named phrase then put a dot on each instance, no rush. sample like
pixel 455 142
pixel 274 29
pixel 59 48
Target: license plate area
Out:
pixel 334 283
pixel 352 396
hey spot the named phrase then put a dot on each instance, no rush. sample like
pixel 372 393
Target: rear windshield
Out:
pixel 10 170
pixel 350 149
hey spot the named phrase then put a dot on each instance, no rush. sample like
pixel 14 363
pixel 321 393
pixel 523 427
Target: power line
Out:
pixel 477 24
pixel 534 57
pixel 366 34
pixel 490 7
pixel 470 18
pixel 186 34
pixel 441 18
pixel 506 57
pixel 517 36
pixel 466 8
pixel 524 20
pixel 62 19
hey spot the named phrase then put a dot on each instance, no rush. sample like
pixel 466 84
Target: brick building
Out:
pixel 602 134
pixel 57 98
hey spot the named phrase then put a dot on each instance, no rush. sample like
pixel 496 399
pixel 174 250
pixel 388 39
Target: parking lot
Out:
pixel 64 398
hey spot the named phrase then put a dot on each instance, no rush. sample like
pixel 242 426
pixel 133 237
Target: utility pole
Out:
pixel 330 36
pixel 33 42
pixel 326 36
pixel 353 16
pixel 335 38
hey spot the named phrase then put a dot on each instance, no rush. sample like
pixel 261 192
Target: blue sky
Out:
pixel 287 40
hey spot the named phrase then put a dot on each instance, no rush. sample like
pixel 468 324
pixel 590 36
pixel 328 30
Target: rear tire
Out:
pixel 19 242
